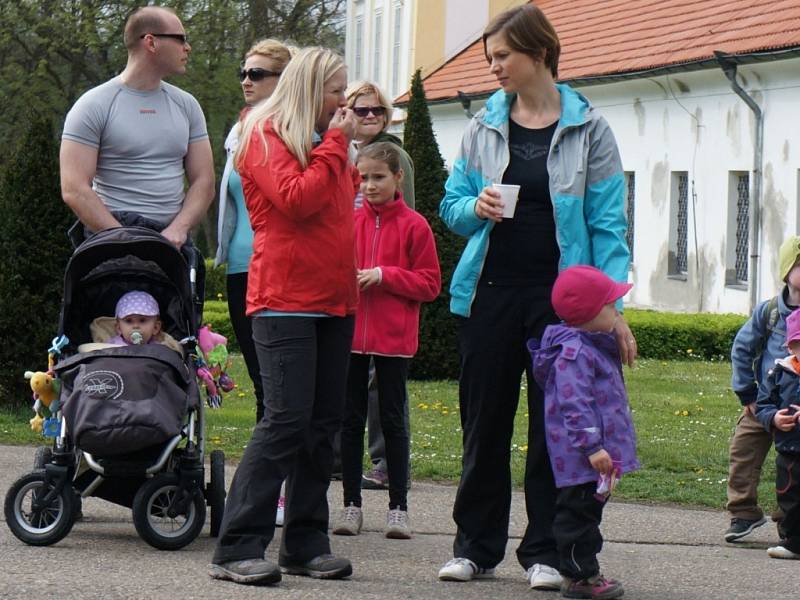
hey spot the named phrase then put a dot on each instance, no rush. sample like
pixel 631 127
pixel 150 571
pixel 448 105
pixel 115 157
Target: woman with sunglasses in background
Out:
pixel 259 75
pixel 373 116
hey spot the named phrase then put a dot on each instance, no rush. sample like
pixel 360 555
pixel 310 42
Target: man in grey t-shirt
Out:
pixel 128 143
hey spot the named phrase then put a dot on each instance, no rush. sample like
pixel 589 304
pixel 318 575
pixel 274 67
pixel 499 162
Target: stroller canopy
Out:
pixel 116 261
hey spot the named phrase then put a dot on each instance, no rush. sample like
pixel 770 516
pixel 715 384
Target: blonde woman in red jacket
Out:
pixel 302 293
pixel 397 270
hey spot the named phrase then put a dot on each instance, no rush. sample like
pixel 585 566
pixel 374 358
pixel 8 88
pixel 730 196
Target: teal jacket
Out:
pixel 586 188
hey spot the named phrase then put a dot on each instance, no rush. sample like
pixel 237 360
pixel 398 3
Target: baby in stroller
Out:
pixel 137 320
pixel 131 423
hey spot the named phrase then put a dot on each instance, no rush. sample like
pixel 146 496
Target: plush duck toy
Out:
pixel 45 395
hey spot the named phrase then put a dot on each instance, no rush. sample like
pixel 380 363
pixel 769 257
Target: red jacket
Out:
pixel 303 243
pixel 399 241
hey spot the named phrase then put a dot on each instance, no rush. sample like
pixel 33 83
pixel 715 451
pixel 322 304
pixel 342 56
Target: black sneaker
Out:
pixel 741 527
pixel 324 566
pixel 254 571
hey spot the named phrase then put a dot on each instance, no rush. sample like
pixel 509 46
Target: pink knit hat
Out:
pixel 581 292
pixel 137 303
pixel 793 327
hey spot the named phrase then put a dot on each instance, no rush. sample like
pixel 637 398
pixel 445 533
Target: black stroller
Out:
pixel 131 422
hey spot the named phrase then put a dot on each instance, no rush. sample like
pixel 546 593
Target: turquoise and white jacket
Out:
pixel 586 188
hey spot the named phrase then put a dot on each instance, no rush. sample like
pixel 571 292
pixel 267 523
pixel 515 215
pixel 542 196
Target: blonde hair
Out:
pixel 271 49
pixel 365 88
pixel 294 106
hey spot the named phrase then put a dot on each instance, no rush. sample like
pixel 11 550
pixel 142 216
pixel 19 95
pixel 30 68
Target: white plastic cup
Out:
pixel 509 195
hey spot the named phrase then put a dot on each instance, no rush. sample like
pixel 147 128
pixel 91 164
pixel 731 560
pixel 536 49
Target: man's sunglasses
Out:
pixel 181 37
pixel 256 74
pixel 363 111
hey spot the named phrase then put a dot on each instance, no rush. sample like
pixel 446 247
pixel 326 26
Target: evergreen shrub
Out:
pixel 215 281
pixel 437 357
pixel 35 251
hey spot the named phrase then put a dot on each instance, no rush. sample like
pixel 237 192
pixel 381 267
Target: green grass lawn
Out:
pixel 684 413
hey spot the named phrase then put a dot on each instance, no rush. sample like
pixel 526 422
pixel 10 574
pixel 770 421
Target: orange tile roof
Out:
pixel 614 37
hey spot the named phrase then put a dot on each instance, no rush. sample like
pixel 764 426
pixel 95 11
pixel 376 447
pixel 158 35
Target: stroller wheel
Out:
pixel 39 525
pixel 154 525
pixel 43 455
pixel 216 491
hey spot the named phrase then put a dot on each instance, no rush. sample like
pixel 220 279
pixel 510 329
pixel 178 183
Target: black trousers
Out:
pixel 391 373
pixel 304 364
pixel 577 530
pixel 787 486
pixel 493 358
pixel 236 285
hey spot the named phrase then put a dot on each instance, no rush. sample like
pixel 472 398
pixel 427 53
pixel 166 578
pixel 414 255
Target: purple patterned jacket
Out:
pixel 586 407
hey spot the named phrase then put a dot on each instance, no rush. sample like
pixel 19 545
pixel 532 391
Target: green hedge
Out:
pixel 660 335
pixel 215 282
pixel 684 335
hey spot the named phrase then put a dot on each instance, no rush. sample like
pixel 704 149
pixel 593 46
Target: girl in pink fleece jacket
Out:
pixel 398 269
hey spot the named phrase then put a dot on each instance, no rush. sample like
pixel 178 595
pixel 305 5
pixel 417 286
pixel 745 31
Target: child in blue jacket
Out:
pixel 778 410
pixel 757 345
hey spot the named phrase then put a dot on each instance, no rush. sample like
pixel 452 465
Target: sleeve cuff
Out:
pixel 748 396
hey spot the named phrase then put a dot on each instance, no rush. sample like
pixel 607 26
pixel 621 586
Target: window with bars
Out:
pixel 678 258
pixel 630 196
pixel 738 228
pixel 378 32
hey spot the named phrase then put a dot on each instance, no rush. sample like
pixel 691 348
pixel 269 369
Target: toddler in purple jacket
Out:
pixel 588 424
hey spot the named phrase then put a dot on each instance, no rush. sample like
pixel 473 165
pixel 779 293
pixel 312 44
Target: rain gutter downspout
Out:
pixel 729 68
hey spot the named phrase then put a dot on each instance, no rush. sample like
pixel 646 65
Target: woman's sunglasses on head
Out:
pixel 363 111
pixel 257 74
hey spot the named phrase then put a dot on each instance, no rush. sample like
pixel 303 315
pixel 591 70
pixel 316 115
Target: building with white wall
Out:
pixel 688 142
pixel 387 40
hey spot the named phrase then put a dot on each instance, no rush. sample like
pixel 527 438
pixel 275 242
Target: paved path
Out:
pixel 658 552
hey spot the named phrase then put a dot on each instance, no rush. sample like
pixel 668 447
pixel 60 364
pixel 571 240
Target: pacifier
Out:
pixel 136 338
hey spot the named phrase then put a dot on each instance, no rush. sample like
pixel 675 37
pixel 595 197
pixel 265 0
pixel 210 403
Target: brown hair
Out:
pixel 384 152
pixel 527 30
pixel 271 49
pixel 144 20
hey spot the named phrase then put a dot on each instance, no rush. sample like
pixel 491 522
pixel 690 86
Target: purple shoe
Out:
pixel 593 588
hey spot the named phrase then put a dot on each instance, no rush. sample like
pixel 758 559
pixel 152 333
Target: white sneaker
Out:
pixel 782 552
pixel 543 577
pixel 397 525
pixel 350 521
pixel 463 569
pixel 280 512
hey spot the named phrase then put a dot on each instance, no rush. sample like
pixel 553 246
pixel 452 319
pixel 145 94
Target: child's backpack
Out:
pixel 772 316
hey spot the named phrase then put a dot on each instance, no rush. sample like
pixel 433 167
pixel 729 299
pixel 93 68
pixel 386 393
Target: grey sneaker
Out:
pixel 324 566
pixel 350 521
pixel 254 571
pixel 397 525
pixel 741 527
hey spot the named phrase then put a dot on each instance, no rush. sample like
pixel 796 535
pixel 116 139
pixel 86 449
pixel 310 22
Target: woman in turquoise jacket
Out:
pixel 547 139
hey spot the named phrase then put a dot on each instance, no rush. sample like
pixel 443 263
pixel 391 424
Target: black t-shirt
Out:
pixel 523 250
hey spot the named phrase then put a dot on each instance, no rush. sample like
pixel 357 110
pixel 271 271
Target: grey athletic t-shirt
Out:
pixel 142 138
